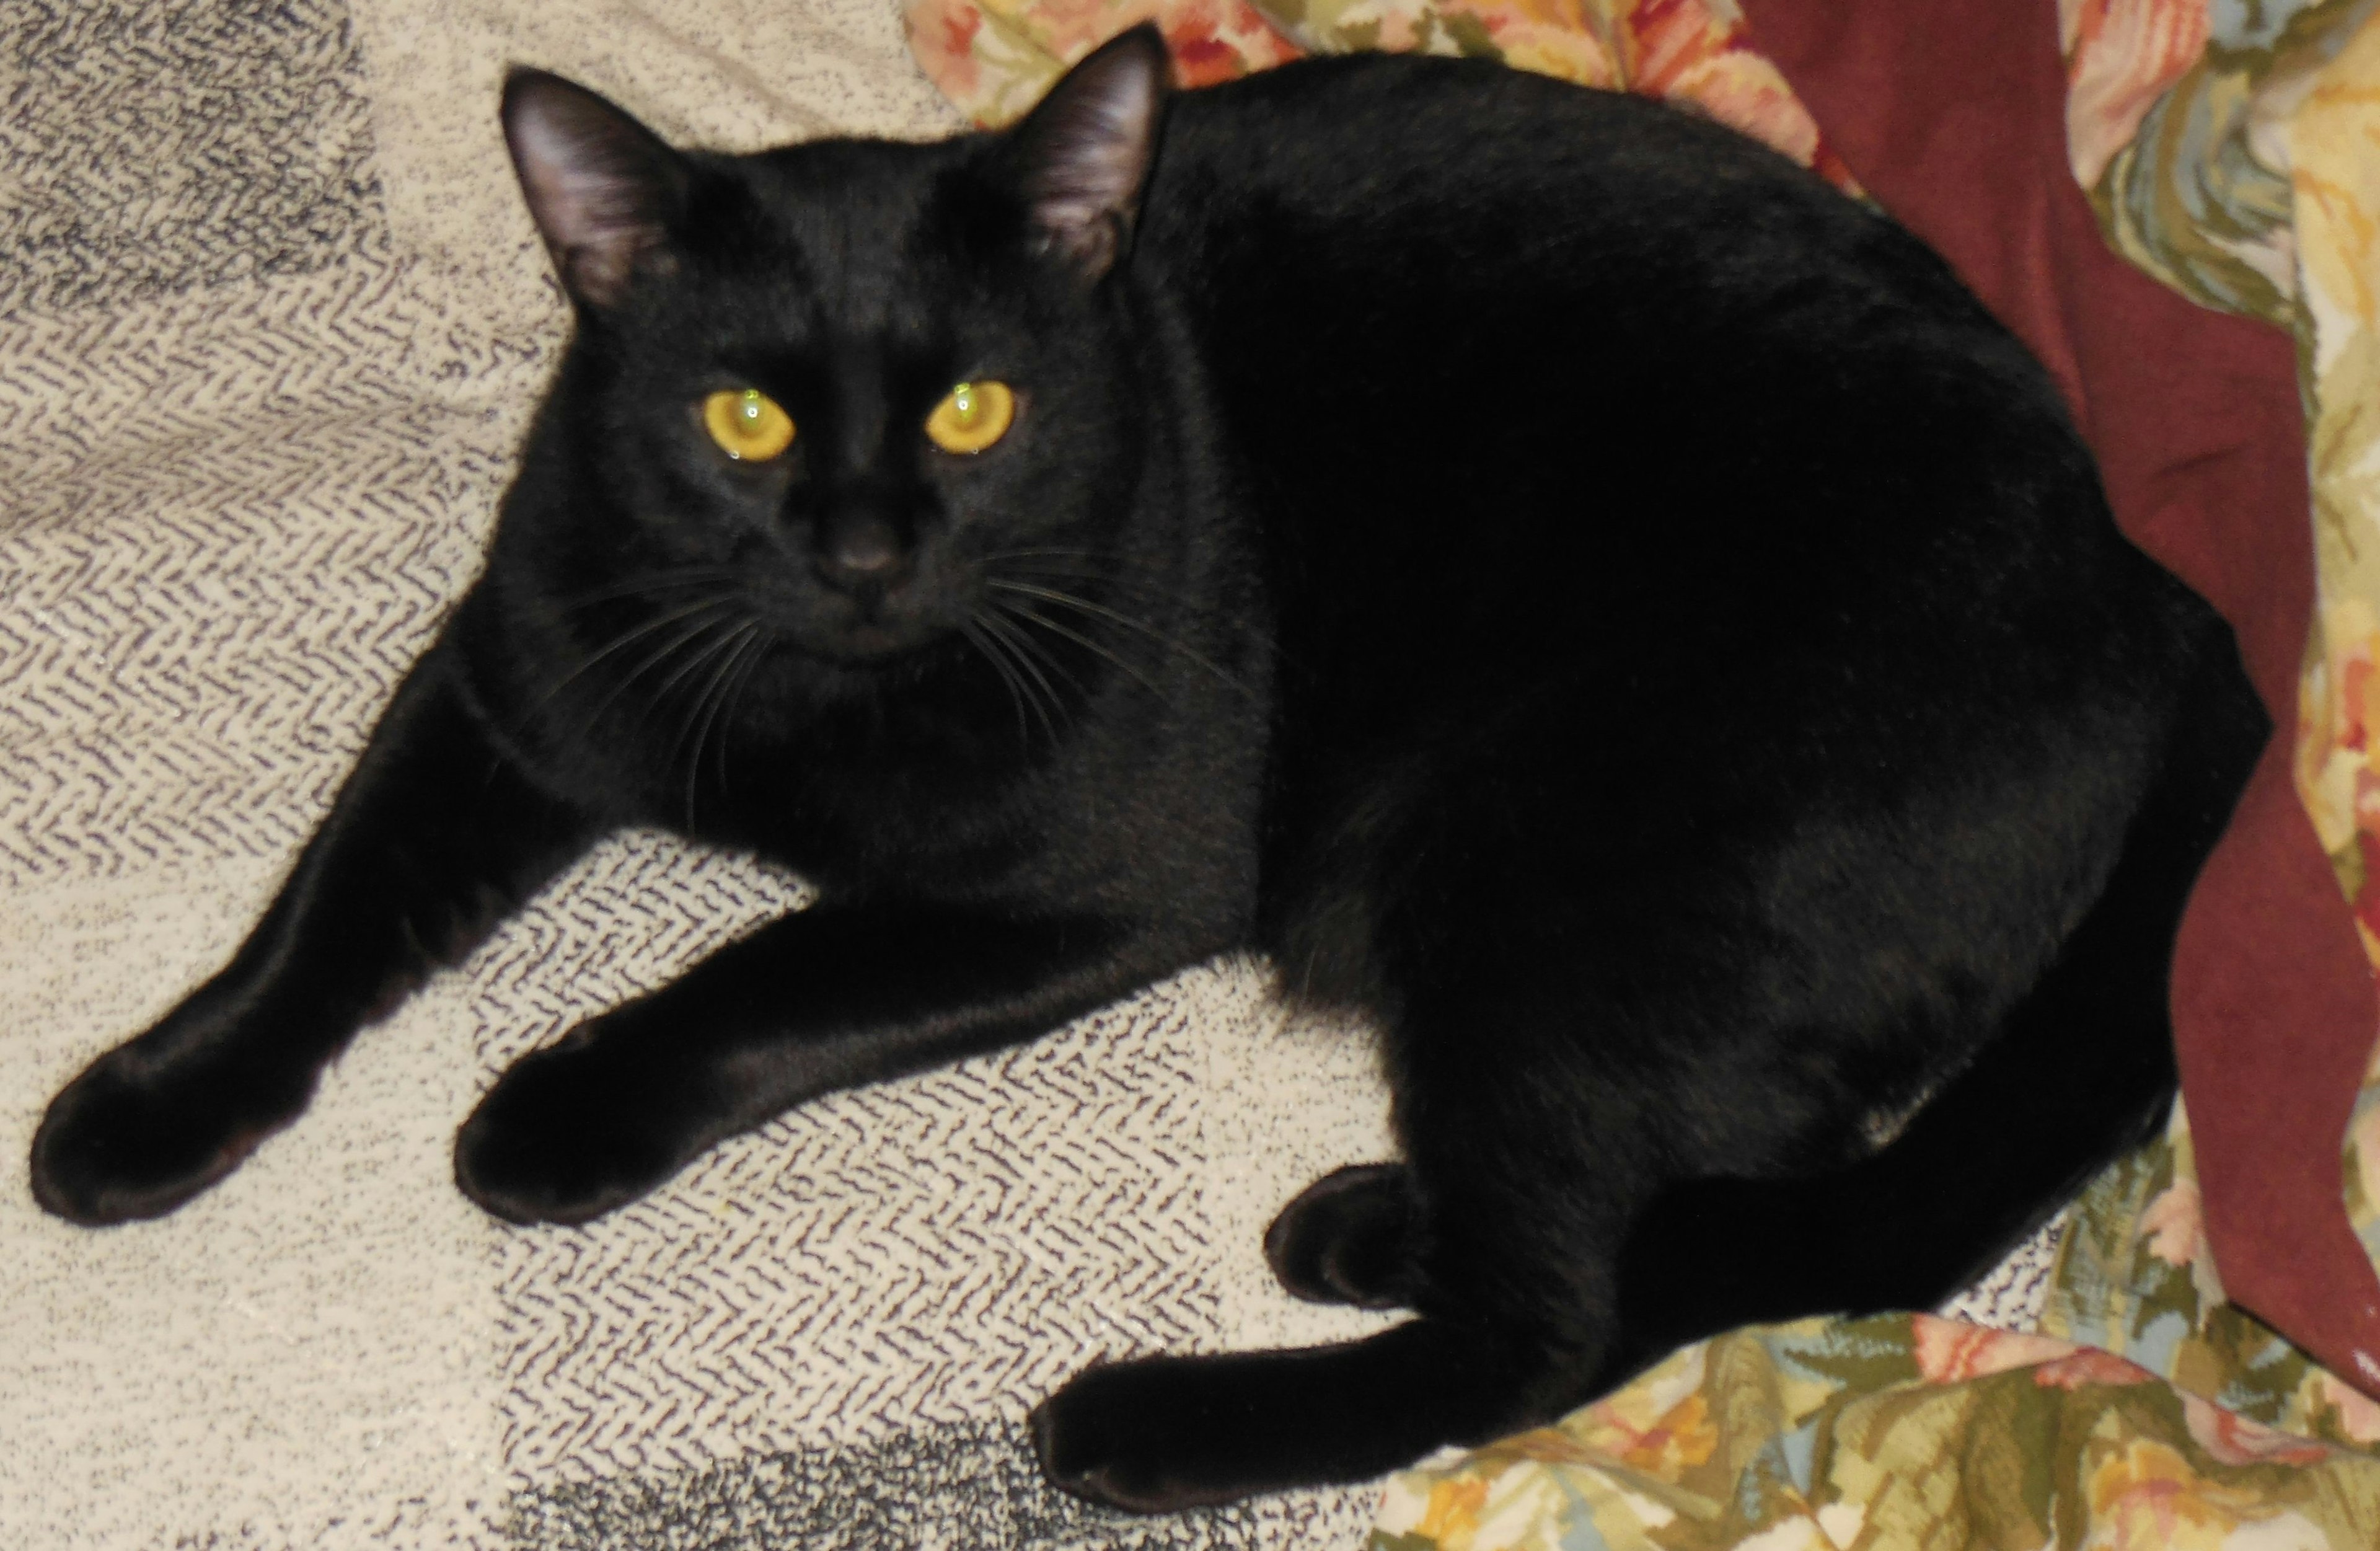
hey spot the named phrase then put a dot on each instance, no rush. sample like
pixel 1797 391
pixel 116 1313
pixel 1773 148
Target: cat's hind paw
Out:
pixel 1117 1434
pixel 1349 1237
pixel 1168 1433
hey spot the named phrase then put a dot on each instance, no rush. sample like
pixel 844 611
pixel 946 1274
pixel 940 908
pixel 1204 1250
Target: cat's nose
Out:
pixel 859 550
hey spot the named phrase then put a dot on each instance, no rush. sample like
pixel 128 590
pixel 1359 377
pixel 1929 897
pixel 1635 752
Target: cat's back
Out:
pixel 1345 132
pixel 1457 253
pixel 1523 375
pixel 1410 173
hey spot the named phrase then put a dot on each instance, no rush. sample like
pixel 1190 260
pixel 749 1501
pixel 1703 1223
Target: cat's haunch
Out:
pixel 1561 581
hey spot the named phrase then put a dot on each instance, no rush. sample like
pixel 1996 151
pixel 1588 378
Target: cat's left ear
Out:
pixel 605 191
pixel 1082 156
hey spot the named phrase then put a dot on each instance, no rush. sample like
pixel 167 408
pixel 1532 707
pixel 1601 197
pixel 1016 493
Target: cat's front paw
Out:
pixel 569 1133
pixel 135 1137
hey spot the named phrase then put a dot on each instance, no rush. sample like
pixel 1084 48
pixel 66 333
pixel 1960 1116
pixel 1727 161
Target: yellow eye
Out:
pixel 971 417
pixel 747 424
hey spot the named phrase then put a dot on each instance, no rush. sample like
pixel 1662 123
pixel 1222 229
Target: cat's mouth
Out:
pixel 869 642
pixel 911 621
pixel 868 632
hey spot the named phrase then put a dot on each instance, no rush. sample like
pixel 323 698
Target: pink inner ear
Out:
pixel 1087 149
pixel 598 183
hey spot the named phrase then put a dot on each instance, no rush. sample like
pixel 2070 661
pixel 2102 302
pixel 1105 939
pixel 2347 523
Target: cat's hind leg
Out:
pixel 1526 1165
pixel 2081 1069
pixel 1351 1237
pixel 1170 1433
pixel 1505 1254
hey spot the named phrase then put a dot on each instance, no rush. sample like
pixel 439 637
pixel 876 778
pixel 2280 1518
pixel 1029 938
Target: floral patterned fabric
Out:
pixel 2233 152
pixel 1902 1431
pixel 995 58
pixel 2143 1412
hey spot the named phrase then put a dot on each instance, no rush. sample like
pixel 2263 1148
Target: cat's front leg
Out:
pixel 832 997
pixel 432 838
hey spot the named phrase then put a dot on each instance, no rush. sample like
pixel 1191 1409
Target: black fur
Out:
pixel 1555 576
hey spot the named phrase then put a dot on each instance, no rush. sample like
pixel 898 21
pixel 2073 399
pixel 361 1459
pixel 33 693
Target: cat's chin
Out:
pixel 876 649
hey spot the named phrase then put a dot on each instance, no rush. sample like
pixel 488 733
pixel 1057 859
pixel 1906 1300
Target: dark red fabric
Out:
pixel 1952 113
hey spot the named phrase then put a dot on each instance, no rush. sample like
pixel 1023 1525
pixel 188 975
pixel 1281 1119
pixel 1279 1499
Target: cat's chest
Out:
pixel 1159 827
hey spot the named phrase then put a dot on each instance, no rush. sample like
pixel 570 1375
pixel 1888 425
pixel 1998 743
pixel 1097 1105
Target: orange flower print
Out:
pixel 2147 1498
pixel 1543 1446
pixel 1744 92
pixel 1694 53
pixel 1948 1351
pixel 1672 37
pixel 2357 1414
pixel 2173 1226
pixel 994 57
pixel 2087 1366
pixel 1682 1438
pixel 2120 57
pixel 1452 1515
pixel 2358 694
pixel 941 38
pixel 2231 1439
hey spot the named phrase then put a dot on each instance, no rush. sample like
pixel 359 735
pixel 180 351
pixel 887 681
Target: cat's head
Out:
pixel 839 415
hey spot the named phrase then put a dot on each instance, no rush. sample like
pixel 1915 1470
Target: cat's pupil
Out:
pixel 963 400
pixel 747 409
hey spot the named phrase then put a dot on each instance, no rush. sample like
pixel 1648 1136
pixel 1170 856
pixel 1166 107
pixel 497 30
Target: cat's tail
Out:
pixel 2082 1072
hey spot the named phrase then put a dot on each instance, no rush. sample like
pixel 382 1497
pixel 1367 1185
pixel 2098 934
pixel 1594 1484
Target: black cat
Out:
pixel 1555 576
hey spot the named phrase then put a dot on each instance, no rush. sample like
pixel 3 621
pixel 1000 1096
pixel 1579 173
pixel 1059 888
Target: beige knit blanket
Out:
pixel 271 322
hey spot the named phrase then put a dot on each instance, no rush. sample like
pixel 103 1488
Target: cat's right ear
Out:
pixel 605 191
